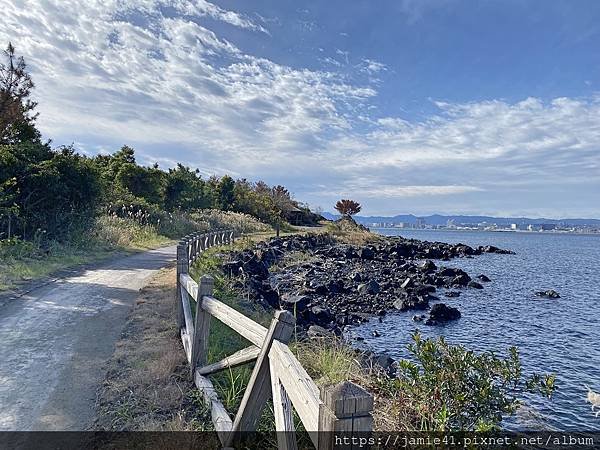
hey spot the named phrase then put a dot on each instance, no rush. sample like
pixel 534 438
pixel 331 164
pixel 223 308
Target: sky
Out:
pixel 407 106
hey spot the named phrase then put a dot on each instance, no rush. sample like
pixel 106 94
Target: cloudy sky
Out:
pixel 409 106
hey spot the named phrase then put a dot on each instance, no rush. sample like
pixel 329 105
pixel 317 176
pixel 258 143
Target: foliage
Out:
pixel 16 109
pixel 56 191
pixel 447 387
pixel 61 193
pixel 347 207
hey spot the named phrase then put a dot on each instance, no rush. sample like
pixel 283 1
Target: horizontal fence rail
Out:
pixel 278 375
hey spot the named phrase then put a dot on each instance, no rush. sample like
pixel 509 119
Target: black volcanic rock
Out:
pixel 550 293
pixel 334 285
pixel 441 313
pixel 474 285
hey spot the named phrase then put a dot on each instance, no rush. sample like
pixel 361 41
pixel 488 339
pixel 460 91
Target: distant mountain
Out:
pixel 438 219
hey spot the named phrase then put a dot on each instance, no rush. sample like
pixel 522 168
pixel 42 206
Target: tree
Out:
pixel 16 109
pixel 225 193
pixel 348 208
pixel 282 202
pixel 184 189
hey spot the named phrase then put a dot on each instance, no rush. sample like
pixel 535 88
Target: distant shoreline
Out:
pixel 487 231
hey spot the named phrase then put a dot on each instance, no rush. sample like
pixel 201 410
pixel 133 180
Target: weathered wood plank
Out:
pixel 282 410
pixel 301 389
pixel 201 325
pixel 258 390
pixel 185 339
pixel 187 282
pixel 220 417
pixel 235 320
pixel 187 312
pixel 238 358
pixel 181 269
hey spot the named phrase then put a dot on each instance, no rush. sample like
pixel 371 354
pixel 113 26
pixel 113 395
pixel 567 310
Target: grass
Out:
pixel 131 231
pixel 349 233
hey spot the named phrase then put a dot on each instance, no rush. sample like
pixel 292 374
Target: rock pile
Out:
pixel 333 284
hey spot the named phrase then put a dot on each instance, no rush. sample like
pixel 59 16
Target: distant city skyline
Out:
pixel 448 106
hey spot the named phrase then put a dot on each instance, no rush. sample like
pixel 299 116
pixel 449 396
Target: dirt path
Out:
pixel 55 340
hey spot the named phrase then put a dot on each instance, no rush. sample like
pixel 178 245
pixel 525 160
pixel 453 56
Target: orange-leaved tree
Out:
pixel 348 207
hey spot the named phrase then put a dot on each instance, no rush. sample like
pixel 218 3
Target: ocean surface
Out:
pixel 553 335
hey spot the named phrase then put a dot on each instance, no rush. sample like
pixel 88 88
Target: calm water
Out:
pixel 553 335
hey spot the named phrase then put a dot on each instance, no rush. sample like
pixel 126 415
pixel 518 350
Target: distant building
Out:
pixel 514 226
pixel 450 223
pixel 420 223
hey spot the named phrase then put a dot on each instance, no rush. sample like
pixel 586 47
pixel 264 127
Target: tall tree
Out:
pixel 282 203
pixel 16 109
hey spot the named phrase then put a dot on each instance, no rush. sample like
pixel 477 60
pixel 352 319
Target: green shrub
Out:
pixel 447 387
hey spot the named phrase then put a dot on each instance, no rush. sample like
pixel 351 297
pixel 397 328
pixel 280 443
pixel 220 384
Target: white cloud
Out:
pixel 394 191
pixel 371 66
pixel 115 72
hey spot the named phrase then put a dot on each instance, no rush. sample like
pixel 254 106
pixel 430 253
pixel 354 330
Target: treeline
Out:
pixel 57 191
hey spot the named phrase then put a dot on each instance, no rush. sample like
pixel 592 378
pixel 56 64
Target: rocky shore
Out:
pixel 329 285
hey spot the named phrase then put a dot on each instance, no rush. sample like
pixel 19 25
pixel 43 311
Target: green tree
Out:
pixel 185 190
pixel 225 193
pixel 16 109
pixel 146 183
pixel 282 203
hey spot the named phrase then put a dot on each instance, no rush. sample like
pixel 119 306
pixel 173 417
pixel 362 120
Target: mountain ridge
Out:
pixel 440 219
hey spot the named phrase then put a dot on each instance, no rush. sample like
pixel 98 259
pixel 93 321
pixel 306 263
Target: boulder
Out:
pixel 428 267
pixel 371 287
pixel 483 278
pixel 317 332
pixel 295 302
pixel 357 276
pixel 461 280
pixel 550 293
pixel 474 285
pixel 232 268
pixel 452 294
pixel 256 268
pixel 441 313
pixel 493 249
pixel 320 315
pixel 366 253
pixel 411 302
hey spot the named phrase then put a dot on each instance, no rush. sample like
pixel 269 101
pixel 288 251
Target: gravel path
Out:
pixel 56 339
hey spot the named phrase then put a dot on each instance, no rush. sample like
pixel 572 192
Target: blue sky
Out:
pixel 422 106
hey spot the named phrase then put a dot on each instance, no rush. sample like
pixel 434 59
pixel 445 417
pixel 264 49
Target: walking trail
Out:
pixel 55 340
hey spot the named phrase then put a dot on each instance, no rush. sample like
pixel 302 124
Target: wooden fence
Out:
pixel 326 412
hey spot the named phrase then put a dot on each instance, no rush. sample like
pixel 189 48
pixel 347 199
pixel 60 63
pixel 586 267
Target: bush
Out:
pixel 449 388
pixel 240 222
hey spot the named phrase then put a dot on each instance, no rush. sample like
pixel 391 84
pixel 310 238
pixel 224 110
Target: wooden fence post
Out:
pixel 182 267
pixel 195 246
pixel 201 324
pixel 258 390
pixel 344 413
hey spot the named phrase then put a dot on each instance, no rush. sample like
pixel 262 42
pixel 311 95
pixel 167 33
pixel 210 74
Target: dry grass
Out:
pixel 349 233
pixel 148 386
pixel 331 361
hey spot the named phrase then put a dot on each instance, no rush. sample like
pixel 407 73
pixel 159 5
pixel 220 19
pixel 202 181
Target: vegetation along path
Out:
pixel 56 339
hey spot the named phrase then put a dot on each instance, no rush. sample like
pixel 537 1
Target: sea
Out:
pixel 560 336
